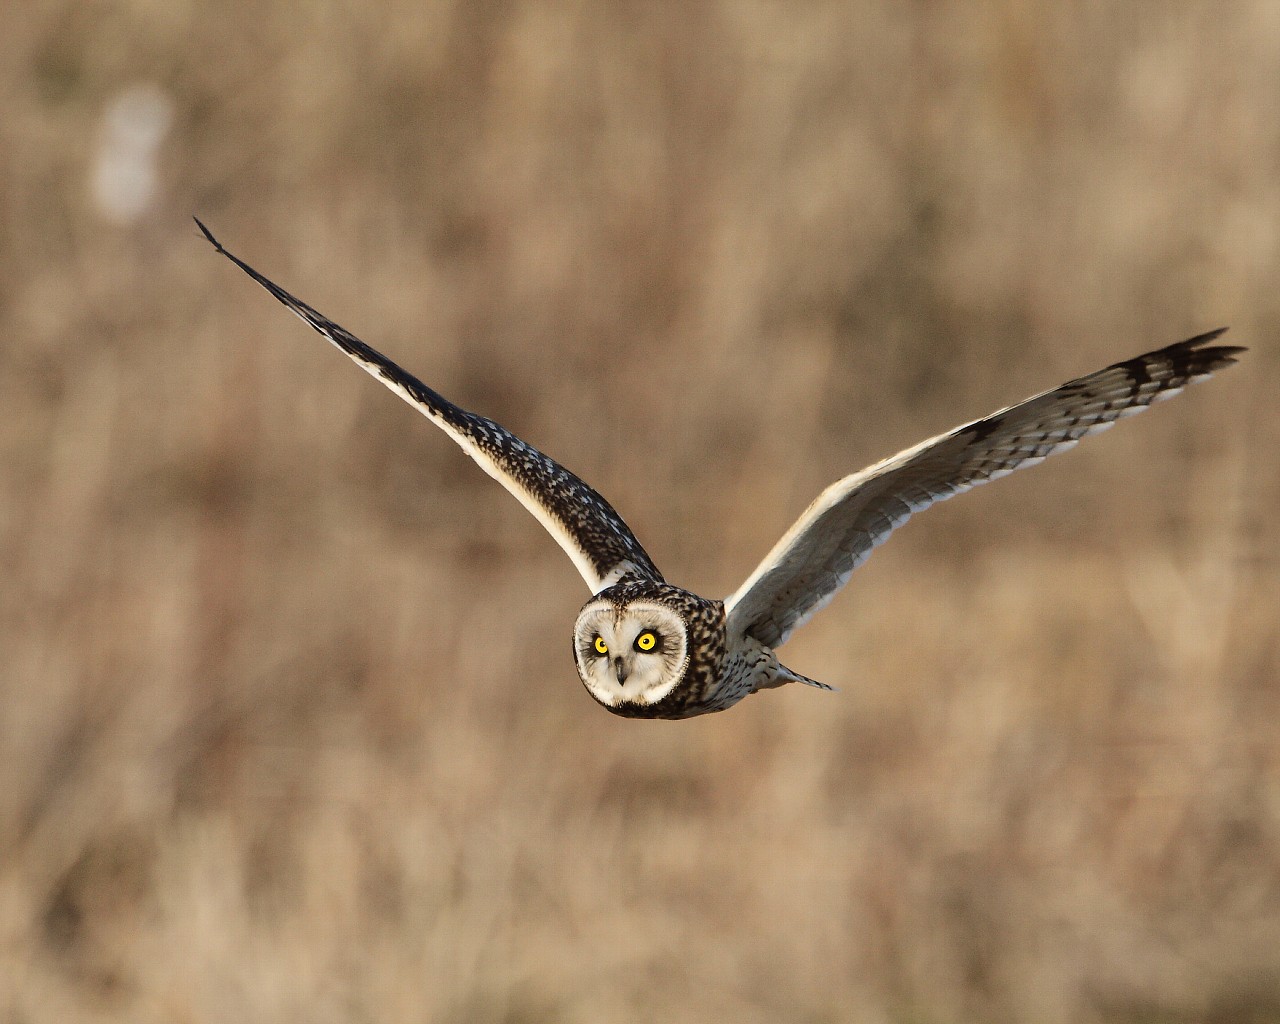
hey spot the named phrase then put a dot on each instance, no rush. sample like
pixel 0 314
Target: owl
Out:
pixel 647 649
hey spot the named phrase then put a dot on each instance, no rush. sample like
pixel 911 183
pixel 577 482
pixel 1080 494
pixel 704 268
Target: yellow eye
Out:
pixel 600 646
pixel 646 641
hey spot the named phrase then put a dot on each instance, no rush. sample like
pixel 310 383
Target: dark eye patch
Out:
pixel 649 641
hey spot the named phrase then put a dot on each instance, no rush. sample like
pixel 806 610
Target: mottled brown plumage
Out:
pixel 646 649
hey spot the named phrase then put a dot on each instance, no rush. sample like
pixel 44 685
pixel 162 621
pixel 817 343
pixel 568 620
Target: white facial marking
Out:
pixel 634 655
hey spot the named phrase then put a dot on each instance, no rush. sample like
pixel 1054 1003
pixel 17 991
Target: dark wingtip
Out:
pixel 1204 339
pixel 208 234
pixel 1193 359
pixel 1215 358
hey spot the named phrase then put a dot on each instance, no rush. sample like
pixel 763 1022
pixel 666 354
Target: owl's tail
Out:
pixel 786 675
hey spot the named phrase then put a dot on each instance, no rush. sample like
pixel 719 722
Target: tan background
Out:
pixel 289 726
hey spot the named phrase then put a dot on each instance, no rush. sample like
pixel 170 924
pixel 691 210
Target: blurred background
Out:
pixel 289 724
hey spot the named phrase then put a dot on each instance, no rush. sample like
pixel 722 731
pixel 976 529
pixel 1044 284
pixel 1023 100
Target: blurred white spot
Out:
pixel 124 180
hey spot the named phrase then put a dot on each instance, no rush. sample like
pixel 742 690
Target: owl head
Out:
pixel 633 648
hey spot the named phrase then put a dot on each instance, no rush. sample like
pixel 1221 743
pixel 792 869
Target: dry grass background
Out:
pixel 289 727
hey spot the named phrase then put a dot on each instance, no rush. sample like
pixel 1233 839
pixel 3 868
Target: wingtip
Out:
pixel 208 234
pixel 1208 336
pixel 1215 357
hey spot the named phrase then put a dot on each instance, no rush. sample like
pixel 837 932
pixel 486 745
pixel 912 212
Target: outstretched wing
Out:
pixel 592 534
pixel 838 531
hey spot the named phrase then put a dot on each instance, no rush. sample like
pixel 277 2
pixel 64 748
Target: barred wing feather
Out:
pixel 853 516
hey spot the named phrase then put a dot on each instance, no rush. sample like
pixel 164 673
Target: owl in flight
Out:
pixel 647 649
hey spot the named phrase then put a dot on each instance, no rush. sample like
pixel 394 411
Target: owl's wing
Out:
pixel 592 534
pixel 838 531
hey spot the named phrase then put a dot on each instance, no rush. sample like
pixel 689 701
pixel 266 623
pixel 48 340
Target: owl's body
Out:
pixel 646 649
pixel 702 668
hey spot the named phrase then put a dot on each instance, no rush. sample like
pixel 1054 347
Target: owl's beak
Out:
pixel 621 669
